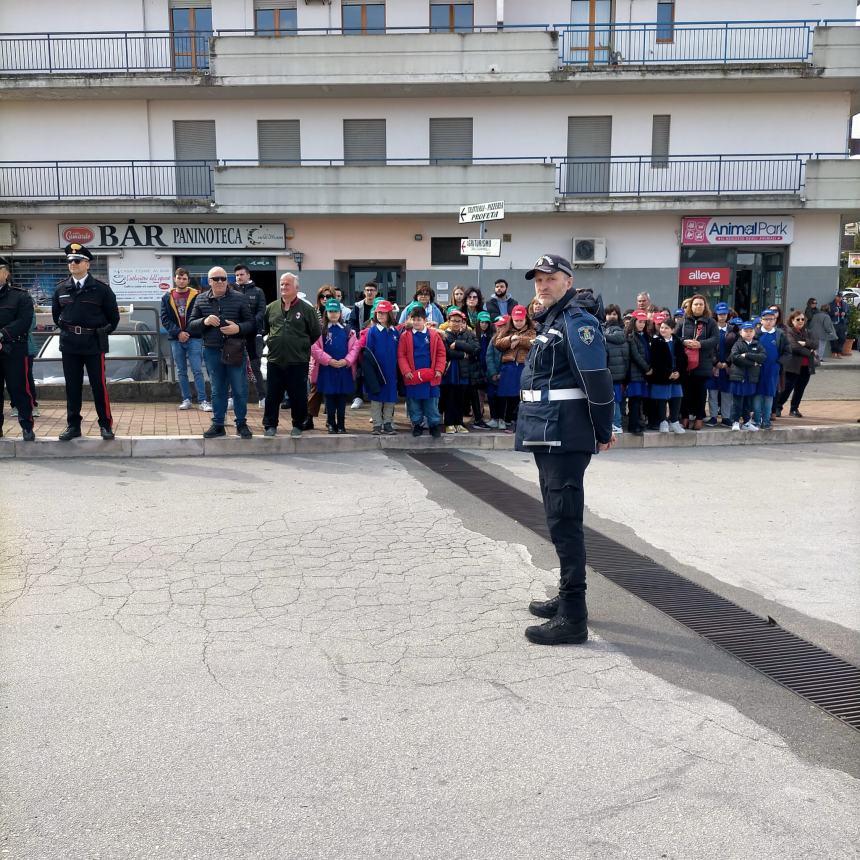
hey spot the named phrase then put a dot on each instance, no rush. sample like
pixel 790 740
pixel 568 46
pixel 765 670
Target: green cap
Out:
pixel 332 305
pixel 483 316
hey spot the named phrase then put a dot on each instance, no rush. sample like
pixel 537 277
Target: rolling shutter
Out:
pixel 660 140
pixel 279 140
pixel 451 141
pixel 589 146
pixel 194 141
pixel 364 142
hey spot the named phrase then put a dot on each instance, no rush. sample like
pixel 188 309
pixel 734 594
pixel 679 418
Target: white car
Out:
pixel 852 296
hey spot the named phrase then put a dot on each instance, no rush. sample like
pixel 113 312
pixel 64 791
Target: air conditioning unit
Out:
pixel 8 236
pixel 589 252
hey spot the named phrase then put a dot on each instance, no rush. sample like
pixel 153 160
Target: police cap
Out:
pixel 548 264
pixel 75 251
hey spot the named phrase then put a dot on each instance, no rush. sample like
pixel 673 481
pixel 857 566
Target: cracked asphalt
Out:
pixel 322 657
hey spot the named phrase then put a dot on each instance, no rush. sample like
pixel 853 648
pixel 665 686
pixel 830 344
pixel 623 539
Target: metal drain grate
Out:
pixel 813 673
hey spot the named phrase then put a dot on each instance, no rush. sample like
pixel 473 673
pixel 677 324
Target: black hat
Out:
pixel 74 251
pixel 5 262
pixel 550 263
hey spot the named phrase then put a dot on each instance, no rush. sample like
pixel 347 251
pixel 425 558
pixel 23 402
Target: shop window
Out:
pixel 363 18
pixel 190 27
pixel 451 17
pixel 666 20
pixel 445 251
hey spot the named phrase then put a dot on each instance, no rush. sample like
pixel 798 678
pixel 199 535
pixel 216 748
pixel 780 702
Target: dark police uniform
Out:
pixel 16 316
pixel 566 410
pixel 85 316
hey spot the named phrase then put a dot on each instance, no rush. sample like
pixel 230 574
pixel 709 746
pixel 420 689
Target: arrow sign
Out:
pixel 481 247
pixel 482 212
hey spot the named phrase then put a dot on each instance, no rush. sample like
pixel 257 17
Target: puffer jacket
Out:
pixel 798 352
pixel 709 337
pixel 464 347
pixel 639 363
pixel 231 306
pixel 747 359
pixel 520 353
pixel 617 352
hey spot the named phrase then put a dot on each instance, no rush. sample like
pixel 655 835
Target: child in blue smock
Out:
pixel 334 356
pixel 380 348
pixel 776 347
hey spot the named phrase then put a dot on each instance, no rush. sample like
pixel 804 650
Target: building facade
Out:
pixel 657 148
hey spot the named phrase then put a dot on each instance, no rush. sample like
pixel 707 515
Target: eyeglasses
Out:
pixel 324 296
pixel 800 319
pixel 217 278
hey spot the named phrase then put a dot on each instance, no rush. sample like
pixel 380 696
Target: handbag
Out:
pixel 693 355
pixel 233 351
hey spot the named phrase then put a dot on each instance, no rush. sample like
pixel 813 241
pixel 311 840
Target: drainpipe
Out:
pixel 500 14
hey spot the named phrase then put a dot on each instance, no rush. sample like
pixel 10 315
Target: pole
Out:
pixel 481 258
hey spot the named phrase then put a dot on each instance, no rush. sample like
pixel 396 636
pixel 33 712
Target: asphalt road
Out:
pixel 323 657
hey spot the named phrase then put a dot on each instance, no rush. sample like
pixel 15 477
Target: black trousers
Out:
pixel 561 486
pixel 14 376
pixel 453 399
pixel 73 370
pixel 634 415
pixel 292 379
pixel 335 410
pixel 795 385
pixel 695 395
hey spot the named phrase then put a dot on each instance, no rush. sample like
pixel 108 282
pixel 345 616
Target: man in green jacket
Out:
pixel 290 326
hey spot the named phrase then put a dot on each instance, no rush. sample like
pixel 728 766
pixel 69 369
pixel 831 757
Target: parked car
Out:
pixel 132 358
pixel 852 296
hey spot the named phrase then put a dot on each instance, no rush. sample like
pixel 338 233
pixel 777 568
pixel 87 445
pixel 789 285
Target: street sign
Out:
pixel 481 247
pixel 482 212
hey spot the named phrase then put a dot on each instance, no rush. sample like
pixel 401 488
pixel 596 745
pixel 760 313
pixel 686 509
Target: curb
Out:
pixel 195 446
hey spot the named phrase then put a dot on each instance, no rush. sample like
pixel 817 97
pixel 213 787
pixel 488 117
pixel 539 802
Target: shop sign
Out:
pixel 738 230
pixel 853 260
pixel 698 276
pixel 175 236
pixel 140 283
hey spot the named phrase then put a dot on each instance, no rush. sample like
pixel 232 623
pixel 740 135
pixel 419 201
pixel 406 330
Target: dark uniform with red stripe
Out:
pixel 16 316
pixel 85 317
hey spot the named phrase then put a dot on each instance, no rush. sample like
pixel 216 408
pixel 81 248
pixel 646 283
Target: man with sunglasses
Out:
pixel 85 312
pixel 220 314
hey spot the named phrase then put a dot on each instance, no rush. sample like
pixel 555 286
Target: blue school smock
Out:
pixel 421 357
pixel 451 376
pixel 382 342
pixel 721 382
pixel 672 389
pixel 768 381
pixel 509 379
pixel 336 380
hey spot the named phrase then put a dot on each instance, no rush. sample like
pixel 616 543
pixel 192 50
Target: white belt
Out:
pixel 553 394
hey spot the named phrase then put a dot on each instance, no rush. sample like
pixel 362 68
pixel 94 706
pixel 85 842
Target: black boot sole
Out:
pixel 572 639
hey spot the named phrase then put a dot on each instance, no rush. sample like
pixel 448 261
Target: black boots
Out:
pixel 106 433
pixel 71 432
pixel 559 631
pixel 544 608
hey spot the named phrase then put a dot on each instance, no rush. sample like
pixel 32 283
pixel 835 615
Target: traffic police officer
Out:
pixel 565 416
pixel 16 316
pixel 85 311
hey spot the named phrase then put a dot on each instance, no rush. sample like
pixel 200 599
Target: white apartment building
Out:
pixel 663 146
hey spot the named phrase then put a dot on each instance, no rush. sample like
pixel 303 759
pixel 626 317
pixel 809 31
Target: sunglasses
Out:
pixel 217 278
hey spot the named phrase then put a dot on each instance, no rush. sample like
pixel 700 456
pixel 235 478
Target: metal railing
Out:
pixel 613 44
pixel 76 180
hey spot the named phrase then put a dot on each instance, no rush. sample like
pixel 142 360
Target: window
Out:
pixel 446 252
pixel 190 27
pixel 364 142
pixel 665 20
pixel 451 17
pixel 273 18
pixel 361 18
pixel 660 140
pixel 451 141
pixel 194 145
pixel 279 141
pixel 589 150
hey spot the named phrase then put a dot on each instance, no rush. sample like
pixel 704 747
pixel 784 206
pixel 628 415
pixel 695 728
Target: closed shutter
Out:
pixel 190 4
pixel 364 142
pixel 589 146
pixel 274 4
pixel 451 141
pixel 194 142
pixel 660 140
pixel 279 141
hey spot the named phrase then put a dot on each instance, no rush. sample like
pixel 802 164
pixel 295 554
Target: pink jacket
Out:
pixel 320 356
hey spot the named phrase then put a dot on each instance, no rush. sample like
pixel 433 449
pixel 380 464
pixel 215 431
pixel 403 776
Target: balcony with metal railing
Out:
pixel 823 181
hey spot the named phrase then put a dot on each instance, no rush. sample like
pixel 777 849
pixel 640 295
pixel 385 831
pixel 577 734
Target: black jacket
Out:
pixel 465 348
pixel 709 338
pixel 617 352
pixel 661 361
pixel 16 314
pixel 640 362
pixel 492 306
pixel 231 306
pixel 747 359
pixel 256 302
pixel 93 309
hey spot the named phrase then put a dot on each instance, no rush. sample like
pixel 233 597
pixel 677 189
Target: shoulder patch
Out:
pixel 586 334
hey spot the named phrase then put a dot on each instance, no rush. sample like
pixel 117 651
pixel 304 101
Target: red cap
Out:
pixel 501 321
pixel 519 312
pixel 639 315
pixel 384 306
pixel 660 317
pixel 455 312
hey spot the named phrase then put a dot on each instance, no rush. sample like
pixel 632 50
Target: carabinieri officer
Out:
pixel 85 310
pixel 16 316
pixel 565 416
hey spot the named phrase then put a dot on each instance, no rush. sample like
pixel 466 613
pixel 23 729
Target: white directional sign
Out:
pixel 482 212
pixel 481 247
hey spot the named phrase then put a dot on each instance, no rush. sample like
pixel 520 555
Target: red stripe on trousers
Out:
pixel 27 382
pixel 107 399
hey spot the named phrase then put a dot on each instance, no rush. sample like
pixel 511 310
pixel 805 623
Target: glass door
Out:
pixel 387 276
pixel 590 32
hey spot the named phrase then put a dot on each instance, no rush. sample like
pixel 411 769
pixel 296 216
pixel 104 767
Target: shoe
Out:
pixel 558 631
pixel 765 426
pixel 795 413
pixel 417 431
pixel 357 403
pixel 736 426
pixel 229 404
pixel 28 435
pixel 676 427
pixel 461 429
pixel 36 412
pixel 71 432
pixel 685 423
pixel 545 608
pixel 377 431
pixel 271 432
pixel 262 403
pixel 296 433
pixel 664 426
pixel 450 429
pixel 388 430
pixel 14 411
pixel 752 426
pixel 214 431
pixel 480 425
pixel 511 428
pixel 617 430
pixel 331 429
pixel 711 422
pixel 205 406
pixel 698 424
pixel 309 424
pixel 501 424
pixel 436 431
pixel 244 431
pixel 107 434
pixel 492 424
pixel 726 423
pixel 285 405
pixel 186 404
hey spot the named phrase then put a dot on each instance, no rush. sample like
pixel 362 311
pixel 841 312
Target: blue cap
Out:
pixel 757 320
pixel 678 312
pixel 721 308
pixel 748 324
pixel 768 312
pixel 735 320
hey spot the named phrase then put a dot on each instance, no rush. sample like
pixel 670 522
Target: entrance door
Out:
pixel 591 32
pixel 388 277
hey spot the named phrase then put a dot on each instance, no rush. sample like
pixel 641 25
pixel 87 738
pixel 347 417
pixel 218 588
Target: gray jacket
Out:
pixel 821 327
